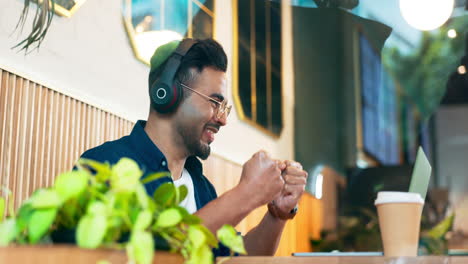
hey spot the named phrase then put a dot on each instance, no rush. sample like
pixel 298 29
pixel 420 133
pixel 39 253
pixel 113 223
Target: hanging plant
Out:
pixel 41 23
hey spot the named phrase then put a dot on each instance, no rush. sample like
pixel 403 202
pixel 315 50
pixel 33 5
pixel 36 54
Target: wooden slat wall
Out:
pixel 43 132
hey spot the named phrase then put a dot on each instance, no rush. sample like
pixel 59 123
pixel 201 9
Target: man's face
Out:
pixel 195 119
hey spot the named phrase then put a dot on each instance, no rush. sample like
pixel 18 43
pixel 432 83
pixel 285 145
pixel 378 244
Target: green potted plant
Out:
pixel 111 209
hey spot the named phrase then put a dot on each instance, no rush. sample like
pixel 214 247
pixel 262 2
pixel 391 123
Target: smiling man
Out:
pixel 187 87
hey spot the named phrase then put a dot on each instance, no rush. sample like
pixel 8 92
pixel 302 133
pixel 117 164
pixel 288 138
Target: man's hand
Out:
pixel 295 180
pixel 261 176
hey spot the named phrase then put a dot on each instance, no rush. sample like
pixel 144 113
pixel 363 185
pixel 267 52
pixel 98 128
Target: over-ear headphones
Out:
pixel 164 93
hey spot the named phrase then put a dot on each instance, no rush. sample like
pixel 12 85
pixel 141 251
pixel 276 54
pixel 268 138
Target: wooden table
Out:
pixel 346 260
pixel 66 254
pixel 59 254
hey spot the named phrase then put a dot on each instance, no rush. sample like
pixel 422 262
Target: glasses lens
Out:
pixel 223 109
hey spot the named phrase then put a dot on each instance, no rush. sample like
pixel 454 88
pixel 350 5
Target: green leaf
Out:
pixel 228 236
pixel 142 196
pixel 181 193
pixel 125 175
pixel 165 194
pixel 155 176
pixel 91 231
pixel 143 221
pixel 182 210
pixel 196 236
pixel 24 216
pixel 141 247
pixel 188 218
pixel 2 208
pixel 199 234
pixel 169 217
pixel 102 170
pixel 192 219
pixel 7 232
pixel 114 221
pixel 40 223
pixel 126 167
pixel 442 228
pixel 201 254
pixel 45 198
pixel 210 237
pixel 71 184
pixel 96 208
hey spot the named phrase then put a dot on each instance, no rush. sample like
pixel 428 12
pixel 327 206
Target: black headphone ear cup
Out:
pixel 164 98
pixel 164 94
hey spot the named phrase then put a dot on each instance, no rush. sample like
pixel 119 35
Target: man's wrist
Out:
pixel 276 212
pixel 243 194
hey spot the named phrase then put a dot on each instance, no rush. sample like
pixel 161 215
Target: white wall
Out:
pixel 88 57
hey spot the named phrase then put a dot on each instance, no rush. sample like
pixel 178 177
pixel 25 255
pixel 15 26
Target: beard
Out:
pixel 191 140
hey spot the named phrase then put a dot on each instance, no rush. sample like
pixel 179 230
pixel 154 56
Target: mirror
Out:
pixel 67 8
pixel 151 23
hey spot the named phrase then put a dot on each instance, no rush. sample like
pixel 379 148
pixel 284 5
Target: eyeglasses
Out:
pixel 221 107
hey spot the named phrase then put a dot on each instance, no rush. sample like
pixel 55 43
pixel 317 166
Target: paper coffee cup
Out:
pixel 399 220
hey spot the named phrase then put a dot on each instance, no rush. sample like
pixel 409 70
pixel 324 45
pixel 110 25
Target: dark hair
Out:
pixel 205 53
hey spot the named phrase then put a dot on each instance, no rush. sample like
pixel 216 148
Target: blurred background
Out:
pixel 349 88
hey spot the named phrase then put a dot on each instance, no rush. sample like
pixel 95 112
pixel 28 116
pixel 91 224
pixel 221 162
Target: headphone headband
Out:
pixel 164 95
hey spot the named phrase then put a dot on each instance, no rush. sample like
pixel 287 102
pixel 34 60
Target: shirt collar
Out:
pixel 145 147
pixel 151 154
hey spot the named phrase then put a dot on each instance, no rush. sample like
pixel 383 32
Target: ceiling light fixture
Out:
pixel 452 33
pixel 426 14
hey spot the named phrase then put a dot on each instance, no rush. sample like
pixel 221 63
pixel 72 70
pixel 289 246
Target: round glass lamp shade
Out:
pixel 426 14
pixel 148 41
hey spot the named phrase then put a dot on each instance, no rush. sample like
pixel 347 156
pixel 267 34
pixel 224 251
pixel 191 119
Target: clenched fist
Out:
pixel 261 176
pixel 295 180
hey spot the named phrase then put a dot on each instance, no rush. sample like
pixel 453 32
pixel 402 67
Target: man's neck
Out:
pixel 162 136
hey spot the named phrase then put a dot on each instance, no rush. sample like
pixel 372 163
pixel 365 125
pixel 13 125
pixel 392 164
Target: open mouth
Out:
pixel 209 133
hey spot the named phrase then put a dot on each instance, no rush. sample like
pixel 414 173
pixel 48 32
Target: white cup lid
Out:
pixel 398 197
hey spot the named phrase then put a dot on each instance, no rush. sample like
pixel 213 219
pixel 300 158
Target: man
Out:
pixel 188 107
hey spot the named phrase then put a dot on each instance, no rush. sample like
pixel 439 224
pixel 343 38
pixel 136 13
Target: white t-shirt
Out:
pixel 189 201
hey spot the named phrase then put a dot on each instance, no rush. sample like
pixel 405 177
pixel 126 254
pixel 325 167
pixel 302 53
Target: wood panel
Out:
pixel 43 132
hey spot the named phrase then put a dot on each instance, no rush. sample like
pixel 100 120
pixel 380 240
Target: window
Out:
pixel 257 64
